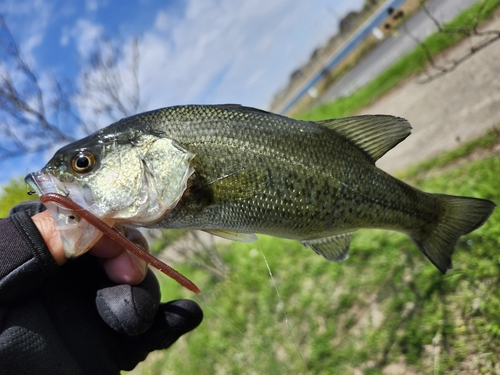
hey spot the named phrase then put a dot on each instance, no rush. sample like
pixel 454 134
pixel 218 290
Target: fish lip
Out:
pixel 31 182
pixel 43 182
pixel 76 235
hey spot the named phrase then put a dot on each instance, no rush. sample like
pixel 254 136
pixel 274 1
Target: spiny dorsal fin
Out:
pixel 375 134
pixel 334 248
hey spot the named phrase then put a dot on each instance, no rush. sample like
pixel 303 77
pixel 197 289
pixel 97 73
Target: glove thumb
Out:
pixel 130 309
pixel 173 319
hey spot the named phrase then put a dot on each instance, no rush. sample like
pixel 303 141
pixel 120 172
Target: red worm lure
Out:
pixel 118 237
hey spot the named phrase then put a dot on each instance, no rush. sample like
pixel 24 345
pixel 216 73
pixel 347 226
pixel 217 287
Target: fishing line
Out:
pixel 202 302
pixel 226 320
pixel 284 310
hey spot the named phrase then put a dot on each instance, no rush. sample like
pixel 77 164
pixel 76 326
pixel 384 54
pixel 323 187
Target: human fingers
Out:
pixel 120 265
pixel 47 228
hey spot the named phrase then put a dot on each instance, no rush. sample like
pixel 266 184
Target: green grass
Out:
pixel 12 193
pixel 413 63
pixel 166 238
pixel 481 144
pixel 384 305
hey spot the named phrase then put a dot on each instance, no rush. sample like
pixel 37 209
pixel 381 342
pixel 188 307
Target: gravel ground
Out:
pixel 451 109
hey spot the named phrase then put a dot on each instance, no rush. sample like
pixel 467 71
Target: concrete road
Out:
pixel 396 46
pixel 447 111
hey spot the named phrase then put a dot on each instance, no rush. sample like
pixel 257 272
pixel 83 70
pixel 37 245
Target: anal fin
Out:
pixel 334 248
pixel 232 235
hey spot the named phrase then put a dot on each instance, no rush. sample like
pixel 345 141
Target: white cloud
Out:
pixel 92 5
pixel 28 33
pixel 65 36
pixel 23 8
pixel 212 50
pixel 85 33
pixel 31 43
pixel 221 50
pixel 202 51
pixel 164 22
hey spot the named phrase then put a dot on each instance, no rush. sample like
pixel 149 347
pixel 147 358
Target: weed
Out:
pixel 385 305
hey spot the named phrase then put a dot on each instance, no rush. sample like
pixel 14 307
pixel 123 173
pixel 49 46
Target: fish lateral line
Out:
pixel 118 237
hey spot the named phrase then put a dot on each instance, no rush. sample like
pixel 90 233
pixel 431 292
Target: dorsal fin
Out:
pixel 375 134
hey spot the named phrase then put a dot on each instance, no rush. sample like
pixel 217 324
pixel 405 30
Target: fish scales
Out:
pixel 249 171
pixel 299 152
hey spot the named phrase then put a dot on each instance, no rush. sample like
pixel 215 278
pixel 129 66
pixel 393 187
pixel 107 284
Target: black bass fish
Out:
pixel 235 171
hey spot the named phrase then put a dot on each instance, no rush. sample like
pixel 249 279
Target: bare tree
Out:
pixel 197 249
pixel 24 109
pixel 110 82
pixel 478 41
pixel 33 114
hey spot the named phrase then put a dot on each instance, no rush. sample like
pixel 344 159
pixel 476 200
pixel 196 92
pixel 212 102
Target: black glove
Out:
pixel 78 322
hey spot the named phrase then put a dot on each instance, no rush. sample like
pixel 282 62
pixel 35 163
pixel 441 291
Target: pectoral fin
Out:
pixel 334 248
pixel 232 235
pixel 238 185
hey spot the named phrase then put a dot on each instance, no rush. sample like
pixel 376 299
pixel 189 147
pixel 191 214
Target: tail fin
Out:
pixel 460 215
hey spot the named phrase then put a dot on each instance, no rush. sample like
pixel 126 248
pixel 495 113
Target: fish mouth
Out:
pixel 43 183
pixel 76 234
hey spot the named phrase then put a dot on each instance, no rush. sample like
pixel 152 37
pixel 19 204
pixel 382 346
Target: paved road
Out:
pixel 396 46
pixel 340 53
pixel 447 111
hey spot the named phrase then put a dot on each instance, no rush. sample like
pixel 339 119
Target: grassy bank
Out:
pixel 413 63
pixel 385 306
pixel 12 193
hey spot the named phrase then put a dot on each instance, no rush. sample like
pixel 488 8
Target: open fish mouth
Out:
pixel 43 183
pixel 77 235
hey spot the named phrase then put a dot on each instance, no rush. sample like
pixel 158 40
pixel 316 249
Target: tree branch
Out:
pixel 488 37
pixel 32 117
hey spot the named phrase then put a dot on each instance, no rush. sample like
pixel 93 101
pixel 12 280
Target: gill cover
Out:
pixel 136 182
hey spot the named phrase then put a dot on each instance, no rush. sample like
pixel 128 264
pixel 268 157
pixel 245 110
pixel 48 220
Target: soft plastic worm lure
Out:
pixel 118 237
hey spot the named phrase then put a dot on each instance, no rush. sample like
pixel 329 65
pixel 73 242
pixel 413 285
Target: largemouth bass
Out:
pixel 235 171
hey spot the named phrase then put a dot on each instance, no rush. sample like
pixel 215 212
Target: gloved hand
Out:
pixel 78 321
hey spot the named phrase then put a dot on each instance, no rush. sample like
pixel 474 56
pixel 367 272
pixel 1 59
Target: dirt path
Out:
pixel 451 109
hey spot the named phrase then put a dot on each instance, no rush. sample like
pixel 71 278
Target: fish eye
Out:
pixel 83 162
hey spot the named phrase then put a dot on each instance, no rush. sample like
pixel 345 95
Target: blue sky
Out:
pixel 192 51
